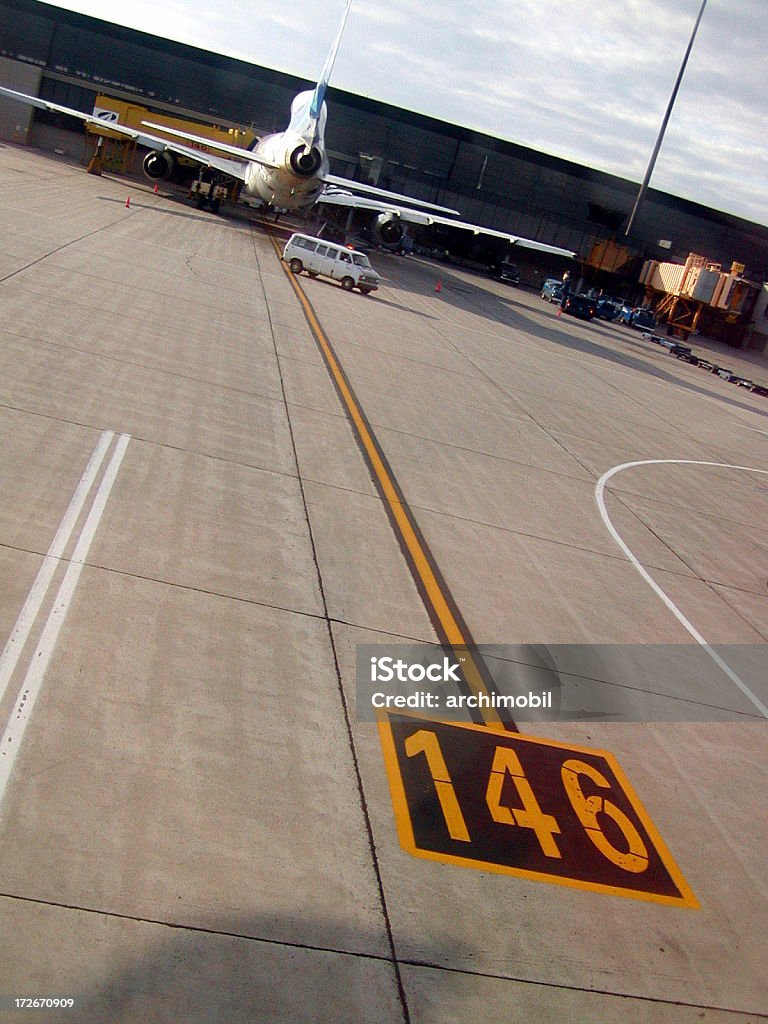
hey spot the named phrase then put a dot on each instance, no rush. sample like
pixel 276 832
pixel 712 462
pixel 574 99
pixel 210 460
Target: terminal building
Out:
pixel 70 59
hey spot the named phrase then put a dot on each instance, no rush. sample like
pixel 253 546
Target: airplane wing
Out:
pixel 525 243
pixel 243 155
pixel 235 168
pixel 337 197
pixel 348 185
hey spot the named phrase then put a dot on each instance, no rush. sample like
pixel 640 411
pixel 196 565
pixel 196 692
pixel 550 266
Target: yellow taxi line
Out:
pixel 439 604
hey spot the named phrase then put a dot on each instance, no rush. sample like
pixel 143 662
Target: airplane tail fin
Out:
pixel 318 96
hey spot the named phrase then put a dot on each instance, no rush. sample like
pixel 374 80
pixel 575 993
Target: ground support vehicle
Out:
pixel 685 353
pixel 207 194
pixel 352 269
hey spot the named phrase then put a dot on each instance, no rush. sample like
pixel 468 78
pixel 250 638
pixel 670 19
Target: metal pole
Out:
pixel 664 123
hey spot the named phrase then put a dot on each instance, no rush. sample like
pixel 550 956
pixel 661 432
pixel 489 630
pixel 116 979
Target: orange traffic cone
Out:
pixel 128 203
pixel 559 310
pixel 155 188
pixel 439 286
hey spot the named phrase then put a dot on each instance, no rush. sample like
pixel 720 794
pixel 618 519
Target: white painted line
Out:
pixel 31 609
pixel 599 497
pixel 10 743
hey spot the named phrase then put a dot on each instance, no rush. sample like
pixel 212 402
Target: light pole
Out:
pixel 664 123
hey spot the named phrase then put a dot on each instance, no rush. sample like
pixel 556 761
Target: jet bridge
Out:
pixel 684 294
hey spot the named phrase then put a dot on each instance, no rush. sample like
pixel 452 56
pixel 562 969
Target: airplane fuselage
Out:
pixel 295 183
pixel 295 160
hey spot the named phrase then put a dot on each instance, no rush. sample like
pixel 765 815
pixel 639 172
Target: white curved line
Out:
pixel 599 498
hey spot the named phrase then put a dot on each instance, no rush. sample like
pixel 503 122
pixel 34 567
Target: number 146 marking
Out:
pixel 539 809
pixel 529 814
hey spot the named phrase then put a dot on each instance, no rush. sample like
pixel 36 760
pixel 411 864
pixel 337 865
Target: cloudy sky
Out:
pixel 588 80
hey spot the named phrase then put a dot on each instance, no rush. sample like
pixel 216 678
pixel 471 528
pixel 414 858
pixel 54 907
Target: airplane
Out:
pixel 289 170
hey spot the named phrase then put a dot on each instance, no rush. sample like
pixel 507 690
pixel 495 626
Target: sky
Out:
pixel 586 80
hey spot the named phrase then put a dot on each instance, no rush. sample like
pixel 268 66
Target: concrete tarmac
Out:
pixel 196 824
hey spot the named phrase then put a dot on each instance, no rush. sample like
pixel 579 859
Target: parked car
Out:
pixel 508 273
pixel 644 319
pixel 579 305
pixel 552 290
pixel 637 316
pixel 606 309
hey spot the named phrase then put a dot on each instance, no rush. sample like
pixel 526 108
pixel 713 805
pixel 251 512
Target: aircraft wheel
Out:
pixel 296 266
pixel 347 284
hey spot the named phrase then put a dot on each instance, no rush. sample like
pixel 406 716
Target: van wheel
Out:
pixel 312 273
pixel 296 266
pixel 347 284
pixel 364 290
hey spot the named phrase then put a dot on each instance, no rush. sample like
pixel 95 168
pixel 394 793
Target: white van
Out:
pixel 316 256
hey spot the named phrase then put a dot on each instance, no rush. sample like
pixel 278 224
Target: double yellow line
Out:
pixel 441 607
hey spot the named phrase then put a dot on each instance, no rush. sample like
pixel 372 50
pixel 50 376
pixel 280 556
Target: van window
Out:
pixel 305 243
pixel 322 250
pixel 360 260
pixel 345 257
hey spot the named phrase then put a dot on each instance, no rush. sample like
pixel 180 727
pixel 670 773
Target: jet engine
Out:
pixel 159 164
pixel 306 163
pixel 388 229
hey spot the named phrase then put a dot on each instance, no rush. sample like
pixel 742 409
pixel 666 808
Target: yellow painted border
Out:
pixel 408 842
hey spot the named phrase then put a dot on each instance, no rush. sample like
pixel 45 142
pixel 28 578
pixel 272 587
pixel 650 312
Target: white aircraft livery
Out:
pixel 289 170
